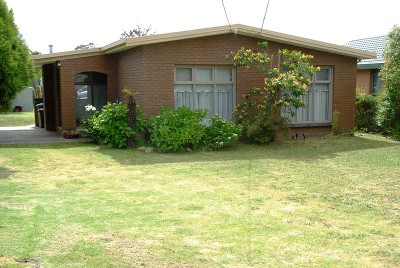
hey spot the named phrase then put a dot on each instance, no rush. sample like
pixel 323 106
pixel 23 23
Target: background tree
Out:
pixel 391 75
pixel 139 30
pixel 37 76
pixel 284 84
pixel 87 46
pixel 16 68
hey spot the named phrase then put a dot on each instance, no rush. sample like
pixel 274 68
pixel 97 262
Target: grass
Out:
pixel 17 119
pixel 331 202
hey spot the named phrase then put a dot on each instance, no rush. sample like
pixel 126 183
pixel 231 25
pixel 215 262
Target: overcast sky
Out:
pixel 69 23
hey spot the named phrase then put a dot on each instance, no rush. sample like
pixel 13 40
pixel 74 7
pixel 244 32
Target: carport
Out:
pixel 51 97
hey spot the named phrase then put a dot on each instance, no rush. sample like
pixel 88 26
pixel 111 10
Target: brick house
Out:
pixel 190 68
pixel 368 80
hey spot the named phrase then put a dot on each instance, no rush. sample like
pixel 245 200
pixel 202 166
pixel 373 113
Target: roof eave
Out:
pixel 304 42
pixel 169 37
pixel 115 46
pixel 129 43
pixel 369 66
pixel 50 58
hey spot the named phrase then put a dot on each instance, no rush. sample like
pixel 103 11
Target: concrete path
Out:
pixel 31 134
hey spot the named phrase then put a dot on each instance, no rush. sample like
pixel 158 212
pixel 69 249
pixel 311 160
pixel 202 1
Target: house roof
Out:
pixel 374 44
pixel 240 29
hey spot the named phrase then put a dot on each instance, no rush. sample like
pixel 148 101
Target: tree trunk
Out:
pixel 132 120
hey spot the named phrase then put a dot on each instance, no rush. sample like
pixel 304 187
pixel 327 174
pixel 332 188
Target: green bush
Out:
pixel 383 116
pixel 335 121
pixel 172 130
pixel 259 126
pixel 110 125
pixel 169 131
pixel 141 129
pixel 395 132
pixel 260 130
pixel 221 133
pixel 91 127
pixel 390 73
pixel 259 117
pixel 366 112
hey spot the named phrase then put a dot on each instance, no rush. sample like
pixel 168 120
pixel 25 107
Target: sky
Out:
pixel 66 24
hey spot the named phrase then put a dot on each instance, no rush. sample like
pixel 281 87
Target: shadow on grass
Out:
pixel 5 173
pixel 75 143
pixel 303 151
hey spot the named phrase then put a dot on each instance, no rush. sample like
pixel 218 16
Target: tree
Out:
pixel 131 102
pixel 16 68
pixel 37 75
pixel 135 117
pixel 284 84
pixel 139 30
pixel 87 46
pixel 391 75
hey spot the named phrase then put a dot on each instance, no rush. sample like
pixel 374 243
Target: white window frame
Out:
pixel 293 120
pixel 214 84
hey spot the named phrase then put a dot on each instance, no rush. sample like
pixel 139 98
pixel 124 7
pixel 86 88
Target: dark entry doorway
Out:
pixel 51 85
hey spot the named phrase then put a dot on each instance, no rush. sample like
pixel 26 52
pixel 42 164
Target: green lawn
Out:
pixel 17 119
pixel 332 202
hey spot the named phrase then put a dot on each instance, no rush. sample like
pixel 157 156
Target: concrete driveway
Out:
pixel 31 134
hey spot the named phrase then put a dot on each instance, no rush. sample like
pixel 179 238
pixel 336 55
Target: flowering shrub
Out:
pixel 284 84
pixel 110 125
pixel 172 130
pixel 90 125
pixel 221 133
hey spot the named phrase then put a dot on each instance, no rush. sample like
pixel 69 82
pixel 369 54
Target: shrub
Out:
pixel 260 129
pixel 335 123
pixel 172 130
pixel 259 123
pixel 113 125
pixel 366 112
pixel 383 111
pixel 110 125
pixel 91 127
pixel 221 133
pixel 390 73
pixel 141 128
pixel 395 132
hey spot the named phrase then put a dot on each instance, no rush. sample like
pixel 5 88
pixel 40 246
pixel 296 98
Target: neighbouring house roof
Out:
pixel 240 29
pixel 374 44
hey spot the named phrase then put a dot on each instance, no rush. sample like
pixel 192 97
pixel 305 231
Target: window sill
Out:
pixel 295 125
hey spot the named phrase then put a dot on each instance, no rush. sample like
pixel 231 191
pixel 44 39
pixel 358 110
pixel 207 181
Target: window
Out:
pixel 376 83
pixel 210 88
pixel 318 100
pixel 90 88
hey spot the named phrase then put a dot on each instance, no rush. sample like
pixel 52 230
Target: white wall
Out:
pixel 24 99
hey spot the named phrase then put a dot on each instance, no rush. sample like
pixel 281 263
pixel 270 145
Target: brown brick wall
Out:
pixel 68 70
pixel 131 70
pixel 364 81
pixel 344 84
pixel 150 71
pixel 159 60
pixel 155 81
